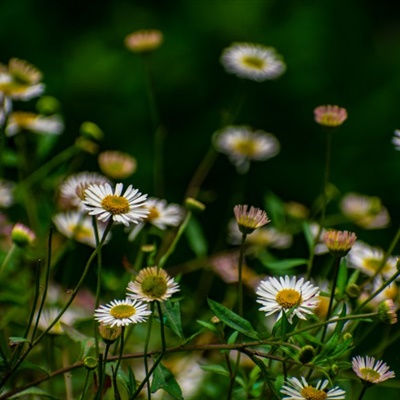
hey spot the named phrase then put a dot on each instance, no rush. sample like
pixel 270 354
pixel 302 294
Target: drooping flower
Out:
pixel 43 125
pixel 371 372
pixel 78 226
pixel 287 294
pixel 301 390
pixel 365 211
pixel 116 164
pixel 339 243
pixel 152 284
pixel 243 145
pixel 105 203
pixel 249 219
pixel 253 61
pixel 73 188
pixel 144 40
pixel 370 260
pixel 387 312
pixel 122 313
pixel 330 116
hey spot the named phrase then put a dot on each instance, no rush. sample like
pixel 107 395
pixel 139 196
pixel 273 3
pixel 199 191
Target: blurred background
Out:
pixel 337 52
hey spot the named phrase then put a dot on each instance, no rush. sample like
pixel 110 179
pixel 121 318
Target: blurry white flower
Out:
pixel 19 121
pixel 116 165
pixel 396 139
pixel 243 145
pixel 6 193
pixel 253 61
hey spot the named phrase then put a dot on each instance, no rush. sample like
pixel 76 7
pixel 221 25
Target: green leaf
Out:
pixel 87 343
pixel 31 366
pixel 128 380
pixel 275 209
pixel 216 369
pixel 172 314
pixel 33 392
pixel 196 238
pixel 282 265
pixel 199 332
pixel 308 235
pixel 163 379
pixel 17 340
pixel 233 320
pixel 342 276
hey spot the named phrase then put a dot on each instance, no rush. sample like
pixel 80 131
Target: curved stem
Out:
pixel 146 348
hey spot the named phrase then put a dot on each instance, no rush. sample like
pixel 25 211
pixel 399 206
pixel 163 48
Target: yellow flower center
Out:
pixel 154 287
pixel 374 264
pixel 122 311
pixel 311 393
pixel 253 62
pixel 80 232
pixel 369 374
pixel 246 147
pixel 153 214
pixel 287 298
pixel 115 204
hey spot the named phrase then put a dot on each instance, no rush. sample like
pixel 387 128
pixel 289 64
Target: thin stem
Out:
pixel 7 258
pixel 85 385
pixel 98 286
pixel 121 349
pixel 102 372
pixel 364 389
pixel 146 348
pixel 67 376
pixel 172 246
pixel 324 200
pixel 336 267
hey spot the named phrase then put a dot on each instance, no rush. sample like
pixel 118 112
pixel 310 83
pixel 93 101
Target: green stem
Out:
pixel 172 246
pixel 121 349
pixel 336 267
pixel 146 348
pixel 98 286
pixel 7 258
pixel 85 385
pixel 364 389
pixel 102 372
pixel 324 200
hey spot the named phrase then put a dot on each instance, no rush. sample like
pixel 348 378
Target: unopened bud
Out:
pixel 90 363
pixel 109 334
pixel 194 205
pixel 306 354
pixel 353 290
pixel 91 131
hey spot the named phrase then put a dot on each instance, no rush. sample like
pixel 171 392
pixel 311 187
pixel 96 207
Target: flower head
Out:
pixel 152 284
pixel 371 372
pixel 396 139
pixel 122 313
pixel 339 243
pixel 370 260
pixel 330 116
pixel 387 312
pixel 108 333
pixel 253 61
pixel 249 219
pixel 365 211
pixel 20 120
pixel 72 190
pixel 78 226
pixel 243 145
pixel 21 80
pixel 298 390
pixel 287 294
pixel 116 165
pixel 144 40
pixel 106 203
pixel 22 236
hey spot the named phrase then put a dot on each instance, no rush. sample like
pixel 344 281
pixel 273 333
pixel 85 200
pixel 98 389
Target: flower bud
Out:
pixel 109 334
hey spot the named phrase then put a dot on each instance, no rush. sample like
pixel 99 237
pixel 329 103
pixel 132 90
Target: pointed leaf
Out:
pixel 275 209
pixel 233 320
pixel 196 238
pixel 163 379
pixel 281 265
pixel 172 314
pixel 34 391
pixel 215 369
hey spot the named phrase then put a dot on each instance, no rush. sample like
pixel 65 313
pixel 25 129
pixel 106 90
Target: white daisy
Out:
pixel 330 116
pixel 49 314
pixel 72 189
pixel 263 237
pixel 370 371
pixel 396 139
pixel 365 211
pixel 242 145
pixel 152 284
pixel 253 61
pixel 102 201
pixel 285 294
pixel 144 40
pixel 75 225
pixel 19 121
pixel 116 165
pixel 301 390
pixel 6 193
pixel 122 313
pixel 369 259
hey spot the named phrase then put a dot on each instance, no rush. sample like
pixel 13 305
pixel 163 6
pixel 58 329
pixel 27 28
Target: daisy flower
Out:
pixel 106 203
pixel 122 313
pixel 116 165
pixel 369 259
pixel 22 236
pixel 152 284
pixel 396 139
pixel 20 121
pixel 75 225
pixel 73 188
pixel 339 243
pixel 299 390
pixel 365 211
pixel 249 219
pixel 242 145
pixel 263 237
pixel 330 116
pixel 144 40
pixel 370 371
pixel 285 294
pixel 21 80
pixel 387 312
pixel 253 61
